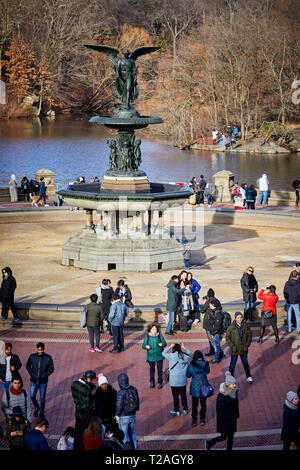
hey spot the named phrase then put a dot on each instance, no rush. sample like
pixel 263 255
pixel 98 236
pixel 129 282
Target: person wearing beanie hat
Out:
pixel 105 404
pixel 9 368
pixel 215 328
pixel 239 338
pixel 291 421
pixel 205 309
pixel 227 412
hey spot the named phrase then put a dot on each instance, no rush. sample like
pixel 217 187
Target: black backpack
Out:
pixel 226 321
pixel 131 400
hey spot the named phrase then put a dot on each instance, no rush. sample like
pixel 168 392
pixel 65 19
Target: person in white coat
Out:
pixel 263 185
pixel 13 188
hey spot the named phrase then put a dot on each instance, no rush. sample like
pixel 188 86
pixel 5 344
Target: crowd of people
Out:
pixel 32 190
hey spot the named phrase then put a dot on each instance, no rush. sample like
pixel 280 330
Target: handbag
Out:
pixel 267 314
pixel 83 318
pixel 166 373
pixel 206 390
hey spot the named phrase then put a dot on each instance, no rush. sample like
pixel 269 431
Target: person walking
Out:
pixel 42 192
pixel 296 186
pixel 186 254
pixel 249 287
pixel 92 436
pixel 40 367
pixel 238 339
pixel 25 185
pixel 215 329
pixel 117 314
pixel 206 310
pixel 84 405
pixel 291 294
pixel 198 369
pixel 178 357
pixel 105 293
pixel 94 317
pixel 128 403
pixel 17 426
pixel 263 185
pixel 154 343
pixel 124 293
pixel 195 289
pixel 35 439
pixel 13 190
pixel 7 293
pixel 268 312
pixel 16 396
pixel 105 404
pixel 10 368
pixel 66 442
pixel 174 294
pixel 251 194
pixel 227 412
pixel 291 422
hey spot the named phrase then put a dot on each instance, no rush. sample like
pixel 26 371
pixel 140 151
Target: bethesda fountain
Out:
pixel 125 213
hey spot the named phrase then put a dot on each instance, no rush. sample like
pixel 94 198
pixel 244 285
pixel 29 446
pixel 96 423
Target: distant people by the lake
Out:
pixel 229 134
pixel 214 136
pixel 42 192
pixel 25 186
pixel 296 186
pixel 263 186
pixel 235 132
pixel 13 188
pixel 95 180
pixel 251 194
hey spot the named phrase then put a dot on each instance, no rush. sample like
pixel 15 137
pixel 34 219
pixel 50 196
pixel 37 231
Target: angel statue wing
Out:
pixel 143 50
pixel 110 52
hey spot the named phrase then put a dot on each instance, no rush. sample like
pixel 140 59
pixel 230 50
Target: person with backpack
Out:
pixel 205 309
pixel 178 357
pixel 128 403
pixel 154 343
pixel 16 396
pixel 239 338
pixel 215 329
pixel 198 369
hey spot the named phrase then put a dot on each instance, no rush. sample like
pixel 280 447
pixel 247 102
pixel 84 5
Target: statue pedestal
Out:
pixel 125 183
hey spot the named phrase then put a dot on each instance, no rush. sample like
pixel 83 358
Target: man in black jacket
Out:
pixel 9 370
pixel 39 366
pixel 215 329
pixel 7 293
pixel 291 293
pixel 207 312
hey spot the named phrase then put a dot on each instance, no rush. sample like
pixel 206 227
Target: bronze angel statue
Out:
pixel 126 87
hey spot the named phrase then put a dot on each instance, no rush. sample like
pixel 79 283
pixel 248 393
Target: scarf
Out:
pixel 228 391
pixel 15 392
pixel 290 405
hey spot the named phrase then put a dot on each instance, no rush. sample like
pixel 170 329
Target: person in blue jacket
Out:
pixel 42 192
pixel 195 289
pixel 198 370
pixel 35 439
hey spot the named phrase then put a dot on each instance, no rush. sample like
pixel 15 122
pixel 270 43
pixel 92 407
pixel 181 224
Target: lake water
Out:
pixel 70 146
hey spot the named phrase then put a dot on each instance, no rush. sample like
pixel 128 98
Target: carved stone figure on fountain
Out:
pixel 137 153
pixel 113 153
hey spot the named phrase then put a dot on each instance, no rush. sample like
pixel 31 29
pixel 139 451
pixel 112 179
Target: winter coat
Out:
pixel 198 370
pixel 42 190
pixel 155 353
pixel 216 321
pixel 105 294
pixel 117 313
pixel 263 183
pixel 187 302
pixel 174 294
pixel 126 296
pixel 13 190
pixel 247 295
pixel 15 362
pixel 123 382
pixel 22 399
pixel 13 426
pixel 227 412
pixel 195 289
pixel 105 403
pixel 269 300
pixel 35 440
pixel 207 311
pixel 82 396
pixel 25 185
pixel 178 376
pixel 40 367
pixel 250 194
pixel 290 424
pixel 237 345
pixel 94 314
pixel 8 286
pixel 291 292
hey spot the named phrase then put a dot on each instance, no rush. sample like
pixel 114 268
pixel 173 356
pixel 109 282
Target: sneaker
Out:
pixel 202 422
pixel 46 205
pixel 160 386
pixel 113 351
pixel 194 423
pixel 36 412
pixel 250 380
pixel 35 204
pixel 42 415
pixel 259 340
pixel 196 321
pixel 92 349
pixel 98 349
pixel 169 333
pixel 16 320
pixel 207 445
pixel 185 412
pixel 175 413
pixel 152 385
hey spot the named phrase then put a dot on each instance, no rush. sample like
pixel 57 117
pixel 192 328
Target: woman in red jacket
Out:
pixel 268 313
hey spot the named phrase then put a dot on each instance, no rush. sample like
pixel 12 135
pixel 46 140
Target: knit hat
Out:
pixel 102 380
pixel 229 379
pixel 237 314
pixel 214 302
pixel 210 293
pixel 290 396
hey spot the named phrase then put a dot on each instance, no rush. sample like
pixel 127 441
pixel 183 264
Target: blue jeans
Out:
pixel 290 308
pixel 249 304
pixel 263 194
pixel 5 386
pixel 33 391
pixel 170 322
pixel 215 341
pixel 118 337
pixel 186 263
pixel 126 424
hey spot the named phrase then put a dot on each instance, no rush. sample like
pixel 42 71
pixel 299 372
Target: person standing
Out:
pixel 117 314
pixel 174 294
pixel 229 134
pixel 35 439
pixel 105 404
pixel 7 292
pixel 42 192
pixel 25 185
pixel 263 185
pixel 16 396
pixel 296 186
pixel 124 293
pixel 227 412
pixel 105 293
pixel 178 357
pixel 239 338
pixel 154 343
pixel 269 298
pixel 249 287
pixel 291 421
pixel 187 305
pixel 13 190
pixel 202 186
pixel 40 367
pixel 207 314
pixel 10 369
pixel 235 133
pixel 94 317
pixel 84 405
pixel 195 289
pixel 215 329
pixel 198 369
pixel 17 426
pixel 214 136
pixel 251 194
pixel 128 403
pixel 291 293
